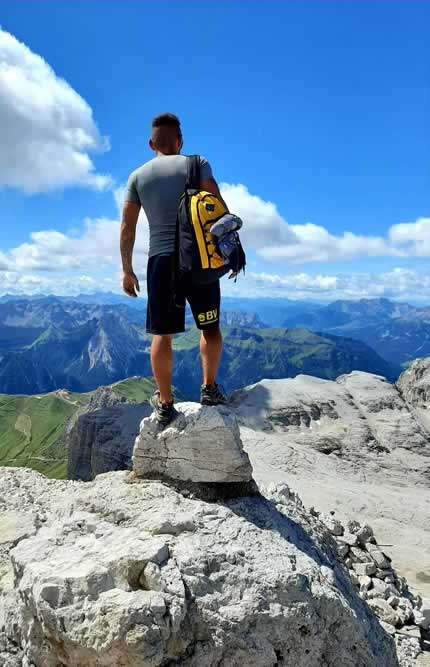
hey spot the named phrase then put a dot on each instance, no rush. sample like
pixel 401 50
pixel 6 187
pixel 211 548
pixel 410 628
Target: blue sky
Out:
pixel 315 115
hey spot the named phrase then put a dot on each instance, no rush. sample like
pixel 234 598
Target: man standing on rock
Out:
pixel 157 187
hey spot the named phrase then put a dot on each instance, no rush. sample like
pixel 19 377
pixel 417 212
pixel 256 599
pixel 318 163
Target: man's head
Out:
pixel 166 137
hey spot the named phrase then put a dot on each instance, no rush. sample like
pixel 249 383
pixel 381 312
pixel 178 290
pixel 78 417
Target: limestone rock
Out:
pixel 414 383
pixel 333 524
pixel 365 447
pixel 365 582
pixel 409 631
pixel 365 534
pixel 359 414
pixel 14 526
pixel 393 601
pixel 353 526
pixel 200 451
pixel 359 555
pixel 380 559
pixel 343 549
pixel 363 569
pixel 379 589
pixel 348 538
pixel 251 581
pixel 422 615
pixel 102 438
pixel 385 612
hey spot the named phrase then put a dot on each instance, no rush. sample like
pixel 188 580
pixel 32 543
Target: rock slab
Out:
pixel 137 575
pixel 200 452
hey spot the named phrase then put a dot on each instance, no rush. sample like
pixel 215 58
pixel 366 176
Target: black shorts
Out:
pixel 165 314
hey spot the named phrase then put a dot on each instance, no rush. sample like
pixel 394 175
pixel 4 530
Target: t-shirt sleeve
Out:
pixel 131 193
pixel 205 169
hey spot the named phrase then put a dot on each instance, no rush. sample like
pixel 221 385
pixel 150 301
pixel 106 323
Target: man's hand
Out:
pixel 233 274
pixel 130 283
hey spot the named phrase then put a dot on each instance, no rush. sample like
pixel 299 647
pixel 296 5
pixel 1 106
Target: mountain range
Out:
pixel 399 332
pixel 48 344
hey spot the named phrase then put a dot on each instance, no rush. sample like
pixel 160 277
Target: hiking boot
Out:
pixel 210 394
pixel 164 412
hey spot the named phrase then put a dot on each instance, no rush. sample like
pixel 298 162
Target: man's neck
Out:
pixel 160 154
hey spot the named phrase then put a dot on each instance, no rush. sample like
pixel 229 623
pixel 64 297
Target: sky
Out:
pixel 313 115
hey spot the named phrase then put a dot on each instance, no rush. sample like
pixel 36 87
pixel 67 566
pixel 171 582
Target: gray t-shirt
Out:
pixel 157 186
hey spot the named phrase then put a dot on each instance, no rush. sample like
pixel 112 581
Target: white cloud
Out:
pixel 66 285
pixel 398 284
pixel 273 239
pixel 4 263
pixel 47 130
pixel 263 225
pixel 412 237
pixel 96 248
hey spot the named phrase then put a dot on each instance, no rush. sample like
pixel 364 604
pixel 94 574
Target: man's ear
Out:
pixel 151 145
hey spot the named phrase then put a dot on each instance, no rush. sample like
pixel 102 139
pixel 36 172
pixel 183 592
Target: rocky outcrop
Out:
pixel 200 451
pixel 102 439
pixel 357 415
pixel 358 445
pixel 117 574
pixel 402 613
pixel 414 383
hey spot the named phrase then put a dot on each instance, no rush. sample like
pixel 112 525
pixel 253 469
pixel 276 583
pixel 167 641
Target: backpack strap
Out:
pixel 193 172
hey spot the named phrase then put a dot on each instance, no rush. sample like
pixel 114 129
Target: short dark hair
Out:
pixel 166 128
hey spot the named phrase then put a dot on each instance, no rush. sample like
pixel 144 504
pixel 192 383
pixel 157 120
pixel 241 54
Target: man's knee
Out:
pixel 212 331
pixel 161 341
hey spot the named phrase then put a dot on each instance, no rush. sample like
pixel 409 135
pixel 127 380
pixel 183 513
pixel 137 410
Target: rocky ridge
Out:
pixel 359 445
pixel 133 571
pixel 118 574
pixel 200 451
pixel 402 613
pixel 102 438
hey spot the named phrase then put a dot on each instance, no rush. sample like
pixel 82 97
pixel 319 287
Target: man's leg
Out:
pixel 162 364
pixel 210 352
pixel 163 318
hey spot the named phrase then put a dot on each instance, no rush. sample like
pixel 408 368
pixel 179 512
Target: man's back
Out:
pixel 157 186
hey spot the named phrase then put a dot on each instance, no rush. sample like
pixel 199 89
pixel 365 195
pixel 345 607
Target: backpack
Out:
pixel 198 253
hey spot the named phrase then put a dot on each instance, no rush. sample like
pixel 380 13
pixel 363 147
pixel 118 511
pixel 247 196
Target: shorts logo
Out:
pixel 209 316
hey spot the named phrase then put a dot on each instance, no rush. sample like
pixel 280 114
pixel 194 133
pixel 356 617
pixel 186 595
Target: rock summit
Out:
pixel 200 452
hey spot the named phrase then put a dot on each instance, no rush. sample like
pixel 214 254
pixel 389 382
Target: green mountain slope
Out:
pixel 250 355
pixel 32 428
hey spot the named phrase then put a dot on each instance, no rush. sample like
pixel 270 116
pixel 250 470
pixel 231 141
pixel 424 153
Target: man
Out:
pixel 157 187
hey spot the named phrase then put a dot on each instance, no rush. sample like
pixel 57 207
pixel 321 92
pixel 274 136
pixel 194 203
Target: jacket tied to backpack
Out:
pixel 207 243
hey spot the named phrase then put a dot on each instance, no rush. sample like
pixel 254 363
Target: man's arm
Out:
pixel 210 185
pixel 130 214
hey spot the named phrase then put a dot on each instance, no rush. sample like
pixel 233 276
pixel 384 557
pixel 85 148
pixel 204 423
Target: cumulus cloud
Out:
pixel 398 284
pixel 47 130
pixel 412 237
pixel 96 248
pixel 263 225
pixel 4 263
pixel 17 284
pixel 275 240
